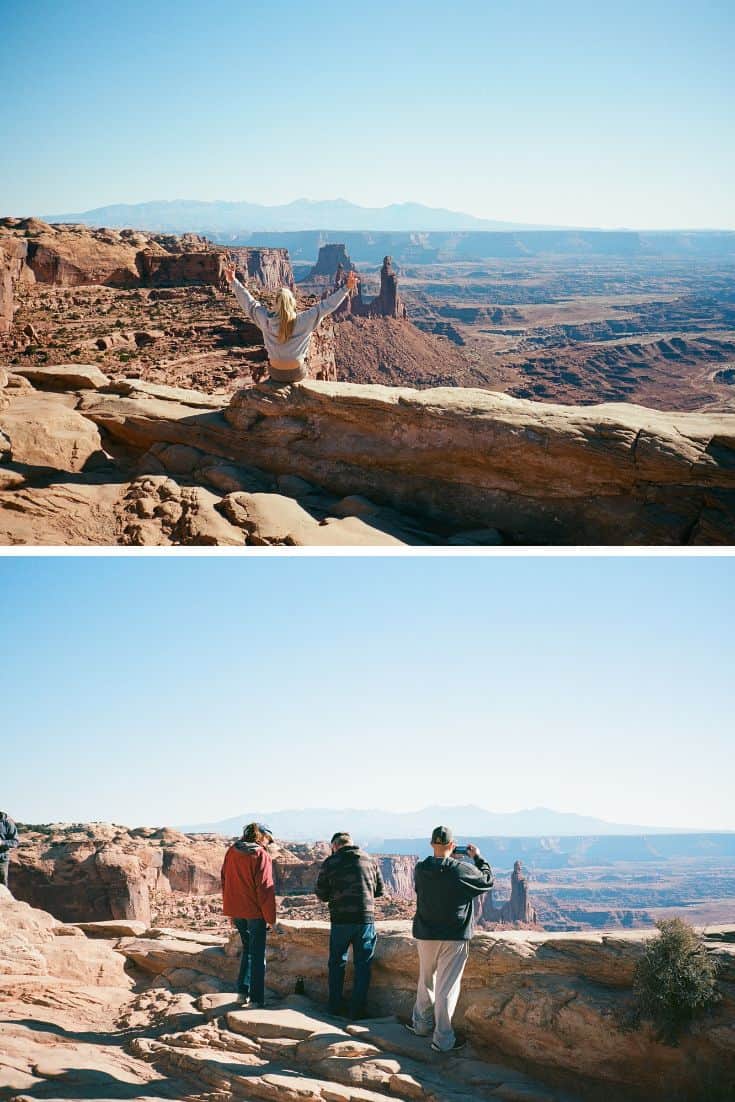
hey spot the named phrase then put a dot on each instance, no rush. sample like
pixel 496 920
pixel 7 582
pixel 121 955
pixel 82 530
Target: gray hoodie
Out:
pixel 287 356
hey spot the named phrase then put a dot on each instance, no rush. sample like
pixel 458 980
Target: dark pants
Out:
pixel 363 939
pixel 4 866
pixel 251 977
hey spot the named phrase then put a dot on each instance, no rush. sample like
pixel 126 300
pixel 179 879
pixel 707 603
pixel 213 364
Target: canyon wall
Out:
pixel 91 872
pixel 13 270
pixel 94 872
pixel 75 255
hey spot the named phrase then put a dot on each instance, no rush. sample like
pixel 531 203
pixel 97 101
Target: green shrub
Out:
pixel 675 981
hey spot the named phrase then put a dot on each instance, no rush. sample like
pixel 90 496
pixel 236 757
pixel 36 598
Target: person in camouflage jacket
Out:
pixel 349 882
pixel 8 841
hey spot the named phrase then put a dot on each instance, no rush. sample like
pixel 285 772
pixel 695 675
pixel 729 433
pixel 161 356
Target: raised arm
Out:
pixel 479 879
pixel 254 309
pixel 329 304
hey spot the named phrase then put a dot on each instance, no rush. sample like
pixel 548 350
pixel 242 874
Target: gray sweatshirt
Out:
pixel 293 351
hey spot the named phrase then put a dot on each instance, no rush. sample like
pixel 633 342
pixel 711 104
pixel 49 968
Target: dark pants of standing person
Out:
pixel 4 866
pixel 251 977
pixel 363 939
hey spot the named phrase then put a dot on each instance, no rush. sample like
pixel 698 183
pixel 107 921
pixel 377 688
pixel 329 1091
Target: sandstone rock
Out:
pixel 178 458
pixel 18 382
pixel 280 1023
pixel 517 909
pixel 13 254
pixel 43 431
pixel 270 519
pixel 463 458
pixel 30 948
pixel 111 929
pixel 64 376
pixel 332 261
pixel 269 268
pixel 552 1000
pixel 140 387
pixel 229 479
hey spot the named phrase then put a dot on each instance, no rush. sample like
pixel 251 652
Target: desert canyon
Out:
pixel 447 406
pixel 117 980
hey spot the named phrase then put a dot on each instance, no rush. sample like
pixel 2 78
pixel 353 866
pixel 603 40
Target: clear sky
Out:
pixel 169 690
pixel 603 114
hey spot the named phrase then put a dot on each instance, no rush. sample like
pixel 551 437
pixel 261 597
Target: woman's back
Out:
pixel 287 357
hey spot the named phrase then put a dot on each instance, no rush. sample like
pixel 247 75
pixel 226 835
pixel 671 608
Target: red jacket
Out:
pixel 247 883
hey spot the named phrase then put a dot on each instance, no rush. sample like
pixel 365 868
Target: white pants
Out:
pixel 441 964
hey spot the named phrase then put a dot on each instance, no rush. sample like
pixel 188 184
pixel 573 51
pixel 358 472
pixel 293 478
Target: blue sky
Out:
pixel 604 114
pixel 169 690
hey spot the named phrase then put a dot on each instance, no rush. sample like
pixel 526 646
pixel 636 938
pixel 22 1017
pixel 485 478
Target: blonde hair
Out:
pixel 287 313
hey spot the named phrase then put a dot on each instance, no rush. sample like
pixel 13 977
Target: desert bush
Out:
pixel 675 981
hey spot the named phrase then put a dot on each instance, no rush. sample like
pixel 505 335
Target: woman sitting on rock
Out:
pixel 287 332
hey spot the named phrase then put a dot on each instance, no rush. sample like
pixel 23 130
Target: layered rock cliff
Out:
pixel 94 872
pixel 75 255
pixel 13 270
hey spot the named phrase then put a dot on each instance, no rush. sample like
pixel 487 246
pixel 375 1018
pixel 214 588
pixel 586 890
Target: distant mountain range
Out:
pixel 219 217
pixel 373 827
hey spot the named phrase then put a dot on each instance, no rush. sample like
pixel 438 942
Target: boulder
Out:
pixel 30 947
pixel 271 519
pixel 64 376
pixel 44 431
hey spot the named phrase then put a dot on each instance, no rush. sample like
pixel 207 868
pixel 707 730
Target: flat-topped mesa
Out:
pixel 70 255
pixel 332 260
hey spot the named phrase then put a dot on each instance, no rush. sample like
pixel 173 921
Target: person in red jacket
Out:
pixel 249 898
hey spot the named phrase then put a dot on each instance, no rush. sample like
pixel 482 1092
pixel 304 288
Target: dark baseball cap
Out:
pixel 441 836
pixel 264 829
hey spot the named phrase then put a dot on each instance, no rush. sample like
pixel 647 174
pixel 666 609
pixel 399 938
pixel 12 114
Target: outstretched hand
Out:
pixel 472 850
pixel 351 281
pixel 229 272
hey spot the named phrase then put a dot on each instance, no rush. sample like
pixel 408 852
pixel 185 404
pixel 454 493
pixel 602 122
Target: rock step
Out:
pixel 307 1056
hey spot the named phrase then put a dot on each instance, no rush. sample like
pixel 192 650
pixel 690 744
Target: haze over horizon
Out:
pixel 559 115
pixel 181 690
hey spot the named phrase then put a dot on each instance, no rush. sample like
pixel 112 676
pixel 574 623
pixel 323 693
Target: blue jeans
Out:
pixel 363 939
pixel 251 977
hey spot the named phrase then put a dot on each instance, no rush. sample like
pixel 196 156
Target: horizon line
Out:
pixel 537 225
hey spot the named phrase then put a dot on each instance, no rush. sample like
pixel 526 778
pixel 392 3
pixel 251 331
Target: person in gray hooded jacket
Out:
pixel 8 841
pixel 287 333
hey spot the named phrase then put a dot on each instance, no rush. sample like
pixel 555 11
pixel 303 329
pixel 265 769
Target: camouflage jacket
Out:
pixel 349 881
pixel 8 836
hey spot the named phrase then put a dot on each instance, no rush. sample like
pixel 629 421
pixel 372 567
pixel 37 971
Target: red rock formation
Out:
pixel 74 255
pixel 388 303
pixel 179 269
pixel 332 262
pixel 270 268
pixel 12 266
pixel 517 909
pixel 397 872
